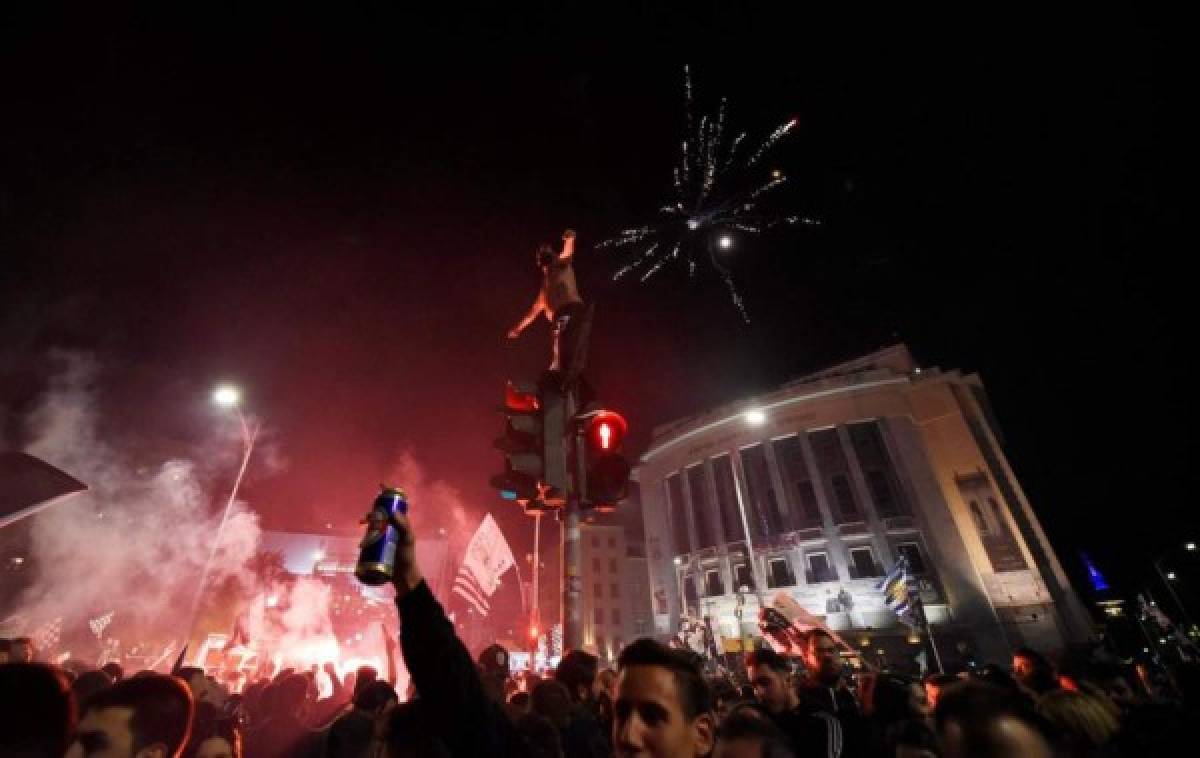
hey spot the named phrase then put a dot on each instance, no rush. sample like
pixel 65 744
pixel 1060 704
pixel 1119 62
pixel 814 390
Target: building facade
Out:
pixel 609 590
pixel 817 489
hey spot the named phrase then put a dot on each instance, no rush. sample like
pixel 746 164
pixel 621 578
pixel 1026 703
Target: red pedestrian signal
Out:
pixel 607 470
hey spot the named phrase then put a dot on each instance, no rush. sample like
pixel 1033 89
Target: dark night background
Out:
pixel 338 211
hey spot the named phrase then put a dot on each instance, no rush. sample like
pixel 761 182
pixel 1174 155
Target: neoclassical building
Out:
pixel 816 489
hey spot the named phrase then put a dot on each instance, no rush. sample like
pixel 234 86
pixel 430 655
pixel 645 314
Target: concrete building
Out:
pixel 833 477
pixel 609 588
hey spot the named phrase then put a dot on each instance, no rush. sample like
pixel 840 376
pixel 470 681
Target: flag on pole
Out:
pixel 785 625
pixel 488 556
pixel 100 623
pixel 898 596
pixel 45 637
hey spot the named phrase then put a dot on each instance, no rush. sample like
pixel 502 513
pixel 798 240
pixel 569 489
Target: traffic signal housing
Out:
pixel 521 443
pixel 607 471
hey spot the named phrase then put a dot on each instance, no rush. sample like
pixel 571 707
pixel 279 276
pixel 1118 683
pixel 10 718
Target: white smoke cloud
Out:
pixel 137 541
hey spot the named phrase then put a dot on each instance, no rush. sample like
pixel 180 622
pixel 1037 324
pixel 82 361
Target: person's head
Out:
pixel 1034 671
pixel 983 721
pixel 21 650
pixel 217 737
pixel 114 671
pixel 821 657
pixel 768 672
pixel 550 698
pixel 521 702
pixel 363 676
pixel 935 685
pixel 290 697
pixel 545 255
pixel 89 683
pixel 894 698
pixel 37 712
pixel 143 717
pixel 606 682
pixel 743 735
pixel 1083 723
pixel 375 697
pixel 577 670
pixel 663 705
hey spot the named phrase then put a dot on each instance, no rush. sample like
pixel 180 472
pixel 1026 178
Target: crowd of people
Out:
pixel 659 701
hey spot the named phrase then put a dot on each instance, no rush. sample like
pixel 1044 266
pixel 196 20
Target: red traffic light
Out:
pixel 521 399
pixel 606 431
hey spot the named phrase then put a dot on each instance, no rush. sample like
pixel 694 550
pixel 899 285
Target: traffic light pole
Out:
pixel 572 575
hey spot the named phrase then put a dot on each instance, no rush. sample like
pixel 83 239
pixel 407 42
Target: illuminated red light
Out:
pixel 605 431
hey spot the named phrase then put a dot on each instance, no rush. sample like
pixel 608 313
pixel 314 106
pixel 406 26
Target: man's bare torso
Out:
pixel 558 287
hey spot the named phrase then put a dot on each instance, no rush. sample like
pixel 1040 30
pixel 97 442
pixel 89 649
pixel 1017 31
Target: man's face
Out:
pixel 649 719
pixel 103 733
pixel 821 657
pixel 770 687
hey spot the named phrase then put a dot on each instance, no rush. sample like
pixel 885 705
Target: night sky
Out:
pixel 339 212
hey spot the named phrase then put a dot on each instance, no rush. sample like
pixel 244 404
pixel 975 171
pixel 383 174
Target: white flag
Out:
pixel 488 556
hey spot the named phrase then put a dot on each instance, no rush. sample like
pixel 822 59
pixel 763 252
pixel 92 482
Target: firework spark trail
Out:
pixel 713 189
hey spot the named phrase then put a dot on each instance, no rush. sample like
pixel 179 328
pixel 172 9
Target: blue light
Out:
pixel 508 494
pixel 1094 575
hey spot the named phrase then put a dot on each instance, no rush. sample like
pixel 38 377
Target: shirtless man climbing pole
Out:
pixel 558 299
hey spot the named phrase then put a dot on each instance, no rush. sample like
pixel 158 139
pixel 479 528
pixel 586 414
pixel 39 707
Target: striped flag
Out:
pixel 487 557
pixel 897 595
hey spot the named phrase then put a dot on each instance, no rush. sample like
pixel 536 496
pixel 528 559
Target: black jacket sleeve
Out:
pixel 446 679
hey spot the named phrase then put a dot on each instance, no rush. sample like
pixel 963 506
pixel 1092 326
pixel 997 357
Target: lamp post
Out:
pixel 1169 578
pixel 228 397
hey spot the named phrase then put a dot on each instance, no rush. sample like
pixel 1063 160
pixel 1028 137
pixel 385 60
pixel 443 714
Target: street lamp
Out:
pixel 228 397
pixel 1169 579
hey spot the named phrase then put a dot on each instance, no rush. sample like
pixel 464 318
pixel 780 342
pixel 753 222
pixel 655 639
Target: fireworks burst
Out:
pixel 716 192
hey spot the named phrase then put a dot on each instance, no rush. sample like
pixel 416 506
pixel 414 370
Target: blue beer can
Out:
pixel 377 551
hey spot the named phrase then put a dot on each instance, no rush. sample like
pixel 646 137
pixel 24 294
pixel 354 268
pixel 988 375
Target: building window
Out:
pixel 616 616
pixel 614 589
pixel 612 542
pixel 612 565
pixel 713 585
pixel 742 577
pixel 797 482
pixel 597 615
pixel 727 505
pixel 844 496
pixel 832 466
pixel 862 563
pixel 596 565
pixel 779 573
pixel 597 590
pixel 819 569
pixel 677 514
pixel 878 469
pixel 881 493
pixel 595 541
pixel 701 507
pixel 981 523
pixel 762 506
pixel 912 552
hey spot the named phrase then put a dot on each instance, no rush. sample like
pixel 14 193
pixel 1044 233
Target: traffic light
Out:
pixel 521 444
pixel 607 471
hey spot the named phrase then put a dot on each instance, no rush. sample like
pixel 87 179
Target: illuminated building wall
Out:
pixel 833 477
pixel 608 590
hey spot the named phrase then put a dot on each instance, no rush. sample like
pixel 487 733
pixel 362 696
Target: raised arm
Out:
pixel 568 249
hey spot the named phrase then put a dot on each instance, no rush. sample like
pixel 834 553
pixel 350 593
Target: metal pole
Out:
pixel 1170 588
pixel 249 434
pixel 572 544
pixel 535 619
pixel 737 489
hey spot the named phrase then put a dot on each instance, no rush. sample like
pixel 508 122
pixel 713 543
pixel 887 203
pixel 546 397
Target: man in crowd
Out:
pixel 37 713
pixel 144 717
pixel 558 299
pixel 811 731
pixel 663 707
pixel 21 650
pixel 583 736
pixel 979 720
